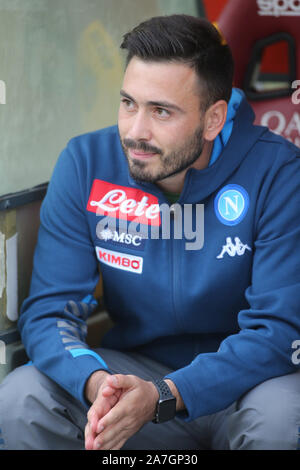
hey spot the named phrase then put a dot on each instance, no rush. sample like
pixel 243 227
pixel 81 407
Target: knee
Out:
pixel 268 416
pixel 35 413
pixel 17 388
pixel 20 393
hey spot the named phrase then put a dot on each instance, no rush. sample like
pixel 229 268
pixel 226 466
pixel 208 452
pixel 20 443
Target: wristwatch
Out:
pixel 166 405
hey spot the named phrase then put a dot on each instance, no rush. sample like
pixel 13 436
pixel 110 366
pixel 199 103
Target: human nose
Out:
pixel 140 128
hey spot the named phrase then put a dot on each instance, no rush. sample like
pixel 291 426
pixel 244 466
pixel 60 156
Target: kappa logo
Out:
pixel 233 249
pixel 278 7
pixel 119 260
pixel 123 238
pixel 231 204
pixel 124 203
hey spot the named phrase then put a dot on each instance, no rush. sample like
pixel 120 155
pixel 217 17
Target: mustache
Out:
pixel 132 144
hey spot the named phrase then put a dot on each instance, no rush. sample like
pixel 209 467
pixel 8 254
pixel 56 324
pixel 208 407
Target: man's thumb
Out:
pixel 120 381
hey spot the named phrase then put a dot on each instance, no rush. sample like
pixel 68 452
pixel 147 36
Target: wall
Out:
pixel 62 68
pixel 60 74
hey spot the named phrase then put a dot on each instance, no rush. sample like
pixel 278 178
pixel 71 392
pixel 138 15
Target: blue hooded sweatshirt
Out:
pixel 222 313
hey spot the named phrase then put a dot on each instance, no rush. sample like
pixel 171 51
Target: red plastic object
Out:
pixel 264 36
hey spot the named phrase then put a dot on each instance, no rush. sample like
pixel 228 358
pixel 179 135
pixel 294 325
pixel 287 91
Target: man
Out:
pixel 202 338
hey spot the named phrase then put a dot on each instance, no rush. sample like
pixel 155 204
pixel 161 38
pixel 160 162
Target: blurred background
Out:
pixel 60 74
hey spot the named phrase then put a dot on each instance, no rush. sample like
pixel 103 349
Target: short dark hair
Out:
pixel 188 39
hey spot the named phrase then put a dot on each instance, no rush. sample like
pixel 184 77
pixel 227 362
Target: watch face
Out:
pixel 166 409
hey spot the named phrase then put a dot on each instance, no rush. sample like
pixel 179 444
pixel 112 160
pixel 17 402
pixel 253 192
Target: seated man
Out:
pixel 205 296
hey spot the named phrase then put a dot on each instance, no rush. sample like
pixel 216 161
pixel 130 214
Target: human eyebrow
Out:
pixel 125 95
pixel 165 105
pixel 159 104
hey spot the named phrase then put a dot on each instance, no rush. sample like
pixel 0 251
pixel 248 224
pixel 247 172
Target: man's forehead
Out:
pixel 160 80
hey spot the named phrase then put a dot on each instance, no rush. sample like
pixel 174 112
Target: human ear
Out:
pixel 214 120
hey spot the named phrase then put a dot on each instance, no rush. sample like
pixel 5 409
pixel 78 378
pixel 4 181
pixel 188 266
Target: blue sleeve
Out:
pixel 263 347
pixel 65 273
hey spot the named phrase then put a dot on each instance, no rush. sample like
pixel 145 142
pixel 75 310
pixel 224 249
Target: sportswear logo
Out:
pixel 231 204
pixel 123 202
pixel 238 249
pixel 119 260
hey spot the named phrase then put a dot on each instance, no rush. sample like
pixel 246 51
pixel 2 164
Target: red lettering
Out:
pixel 125 262
pixel 122 261
pixel 135 264
pixel 102 255
pixel 115 259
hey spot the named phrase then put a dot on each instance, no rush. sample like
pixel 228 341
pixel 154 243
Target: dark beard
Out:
pixel 171 164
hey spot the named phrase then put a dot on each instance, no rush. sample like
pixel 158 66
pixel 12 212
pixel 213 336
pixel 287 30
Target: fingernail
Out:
pixel 114 380
pixel 100 428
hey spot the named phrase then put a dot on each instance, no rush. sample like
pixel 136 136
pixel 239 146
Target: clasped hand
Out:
pixel 124 403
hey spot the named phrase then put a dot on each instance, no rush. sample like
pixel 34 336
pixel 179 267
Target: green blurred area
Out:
pixel 62 67
pixel 61 70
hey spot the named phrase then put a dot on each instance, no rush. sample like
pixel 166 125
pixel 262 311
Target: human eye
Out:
pixel 162 113
pixel 128 104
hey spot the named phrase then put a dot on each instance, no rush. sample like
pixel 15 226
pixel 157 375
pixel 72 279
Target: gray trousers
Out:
pixel 37 414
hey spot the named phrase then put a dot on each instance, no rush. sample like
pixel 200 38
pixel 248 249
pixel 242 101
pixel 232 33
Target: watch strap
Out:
pixel 163 389
pixel 166 404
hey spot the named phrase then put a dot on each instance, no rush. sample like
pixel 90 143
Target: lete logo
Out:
pixel 122 202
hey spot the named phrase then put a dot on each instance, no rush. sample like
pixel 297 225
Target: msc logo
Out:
pixel 231 204
pixel 123 238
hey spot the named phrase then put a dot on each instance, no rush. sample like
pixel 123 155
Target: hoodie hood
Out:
pixel 221 140
pixel 231 147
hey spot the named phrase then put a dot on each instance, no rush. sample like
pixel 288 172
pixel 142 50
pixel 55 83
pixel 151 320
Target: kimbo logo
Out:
pixel 278 7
